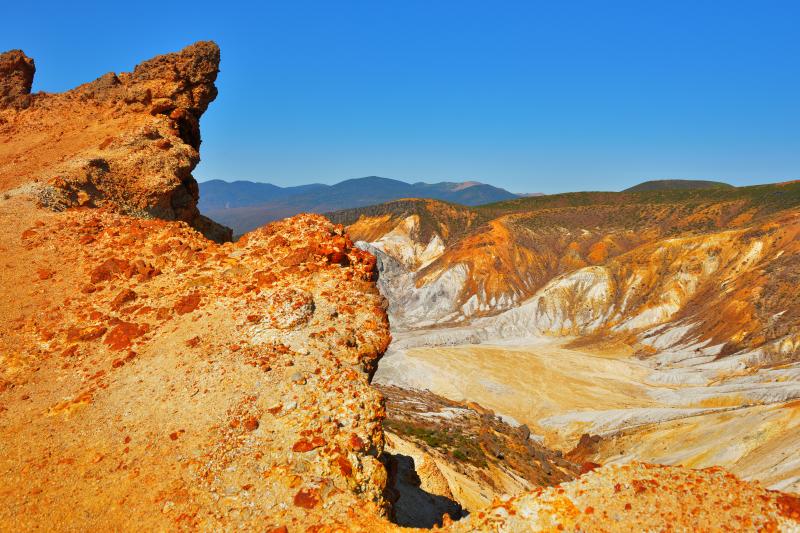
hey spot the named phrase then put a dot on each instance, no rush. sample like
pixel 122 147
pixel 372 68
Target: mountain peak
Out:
pixel 465 185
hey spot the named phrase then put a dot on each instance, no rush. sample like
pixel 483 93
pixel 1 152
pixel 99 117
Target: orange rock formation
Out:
pixel 128 142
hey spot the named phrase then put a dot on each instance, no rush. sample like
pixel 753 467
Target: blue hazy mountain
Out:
pixel 244 205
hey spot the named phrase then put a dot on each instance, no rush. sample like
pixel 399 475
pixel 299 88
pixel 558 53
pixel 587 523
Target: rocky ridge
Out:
pixel 128 141
pixel 245 205
pixel 151 378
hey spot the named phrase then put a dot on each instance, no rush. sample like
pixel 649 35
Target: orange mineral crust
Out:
pixel 644 497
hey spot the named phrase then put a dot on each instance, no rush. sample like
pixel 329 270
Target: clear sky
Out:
pixel 531 96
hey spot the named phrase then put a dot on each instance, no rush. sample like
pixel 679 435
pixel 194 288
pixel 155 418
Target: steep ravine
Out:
pixel 680 350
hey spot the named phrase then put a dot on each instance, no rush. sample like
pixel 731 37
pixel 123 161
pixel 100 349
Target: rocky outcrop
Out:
pixel 126 142
pixel 641 497
pixel 149 376
pixel 16 79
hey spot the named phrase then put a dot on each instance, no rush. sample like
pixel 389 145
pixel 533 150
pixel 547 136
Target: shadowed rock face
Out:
pixel 16 78
pixel 127 142
pixel 461 452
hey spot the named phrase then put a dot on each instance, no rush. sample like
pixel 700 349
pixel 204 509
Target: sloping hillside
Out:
pixel 659 256
pixel 669 185
pixel 655 325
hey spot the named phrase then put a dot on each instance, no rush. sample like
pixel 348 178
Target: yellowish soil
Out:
pixel 537 382
pixel 758 442
pixel 533 382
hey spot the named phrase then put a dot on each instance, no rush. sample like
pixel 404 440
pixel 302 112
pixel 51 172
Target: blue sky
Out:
pixel 531 96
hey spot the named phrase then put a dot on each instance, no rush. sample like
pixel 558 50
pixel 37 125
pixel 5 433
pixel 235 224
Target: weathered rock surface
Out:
pixel 642 497
pixel 16 78
pixel 152 377
pixel 128 142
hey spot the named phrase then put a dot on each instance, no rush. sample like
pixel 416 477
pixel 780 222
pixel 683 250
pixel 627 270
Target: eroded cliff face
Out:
pixel 16 79
pixel 151 378
pixel 127 142
pixel 712 274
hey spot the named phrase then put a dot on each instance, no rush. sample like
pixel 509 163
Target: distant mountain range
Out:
pixel 244 205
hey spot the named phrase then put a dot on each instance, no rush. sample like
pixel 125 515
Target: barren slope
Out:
pixel 630 263
pixel 149 377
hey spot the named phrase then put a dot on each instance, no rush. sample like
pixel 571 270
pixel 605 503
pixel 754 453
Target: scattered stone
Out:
pixel 123 297
pixel 307 498
pixel 187 303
